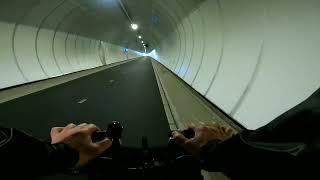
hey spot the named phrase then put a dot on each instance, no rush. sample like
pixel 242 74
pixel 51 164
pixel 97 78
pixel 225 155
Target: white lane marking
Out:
pixel 82 101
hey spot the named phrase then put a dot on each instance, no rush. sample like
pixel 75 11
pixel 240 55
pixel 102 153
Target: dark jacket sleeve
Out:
pixel 23 155
pixel 290 142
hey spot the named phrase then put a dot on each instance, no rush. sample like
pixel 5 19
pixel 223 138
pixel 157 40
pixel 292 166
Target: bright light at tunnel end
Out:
pixel 134 26
pixel 152 54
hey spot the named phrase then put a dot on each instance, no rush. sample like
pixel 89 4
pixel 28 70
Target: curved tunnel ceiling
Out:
pixel 101 19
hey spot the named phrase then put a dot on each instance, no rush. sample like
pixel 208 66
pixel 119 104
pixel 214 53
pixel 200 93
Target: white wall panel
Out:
pixel 24 44
pixel 79 51
pixel 170 50
pixel 175 48
pixel 116 53
pixel 91 52
pixel 95 55
pixel 213 45
pixel 60 53
pixel 197 20
pixel 44 46
pixel 87 52
pixel 97 61
pixel 101 53
pixel 49 54
pixel 243 36
pixel 189 45
pixel 269 54
pixel 9 72
pixel 290 68
pixel 104 47
pixel 182 47
pixel 70 52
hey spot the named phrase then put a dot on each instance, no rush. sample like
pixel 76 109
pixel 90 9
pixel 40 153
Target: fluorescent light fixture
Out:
pixel 142 42
pixel 139 37
pixel 134 26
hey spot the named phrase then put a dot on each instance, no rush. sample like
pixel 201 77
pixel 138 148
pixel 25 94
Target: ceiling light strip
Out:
pixel 125 11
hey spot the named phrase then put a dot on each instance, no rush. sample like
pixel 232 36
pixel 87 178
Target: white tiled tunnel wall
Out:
pixel 29 54
pixel 255 59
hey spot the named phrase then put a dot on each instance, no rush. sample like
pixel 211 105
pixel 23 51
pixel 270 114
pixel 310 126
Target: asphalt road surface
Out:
pixel 127 93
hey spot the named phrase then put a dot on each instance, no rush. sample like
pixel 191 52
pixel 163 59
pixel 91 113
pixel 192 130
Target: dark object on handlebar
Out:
pixel 146 163
pixel 114 132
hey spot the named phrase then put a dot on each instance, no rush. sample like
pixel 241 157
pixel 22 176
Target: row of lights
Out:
pixel 135 27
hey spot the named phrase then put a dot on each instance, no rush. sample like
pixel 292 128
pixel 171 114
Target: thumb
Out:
pixel 56 130
pixel 103 144
pixel 179 138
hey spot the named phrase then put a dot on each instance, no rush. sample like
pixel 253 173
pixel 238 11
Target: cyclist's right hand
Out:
pixel 203 134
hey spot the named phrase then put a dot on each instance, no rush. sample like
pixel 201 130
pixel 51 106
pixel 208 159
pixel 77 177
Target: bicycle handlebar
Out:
pixel 158 163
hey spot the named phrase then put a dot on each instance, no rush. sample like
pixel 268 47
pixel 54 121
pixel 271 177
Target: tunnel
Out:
pixel 156 65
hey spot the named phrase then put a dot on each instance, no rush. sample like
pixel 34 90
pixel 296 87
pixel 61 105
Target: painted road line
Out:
pixel 82 101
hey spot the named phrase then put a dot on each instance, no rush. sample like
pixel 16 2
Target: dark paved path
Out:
pixel 127 93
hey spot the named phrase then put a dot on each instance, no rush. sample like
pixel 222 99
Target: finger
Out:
pixel 91 128
pixel 56 130
pixel 70 126
pixel 103 145
pixel 83 125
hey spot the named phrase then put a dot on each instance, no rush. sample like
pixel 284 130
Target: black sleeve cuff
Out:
pixel 62 156
pixel 207 155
